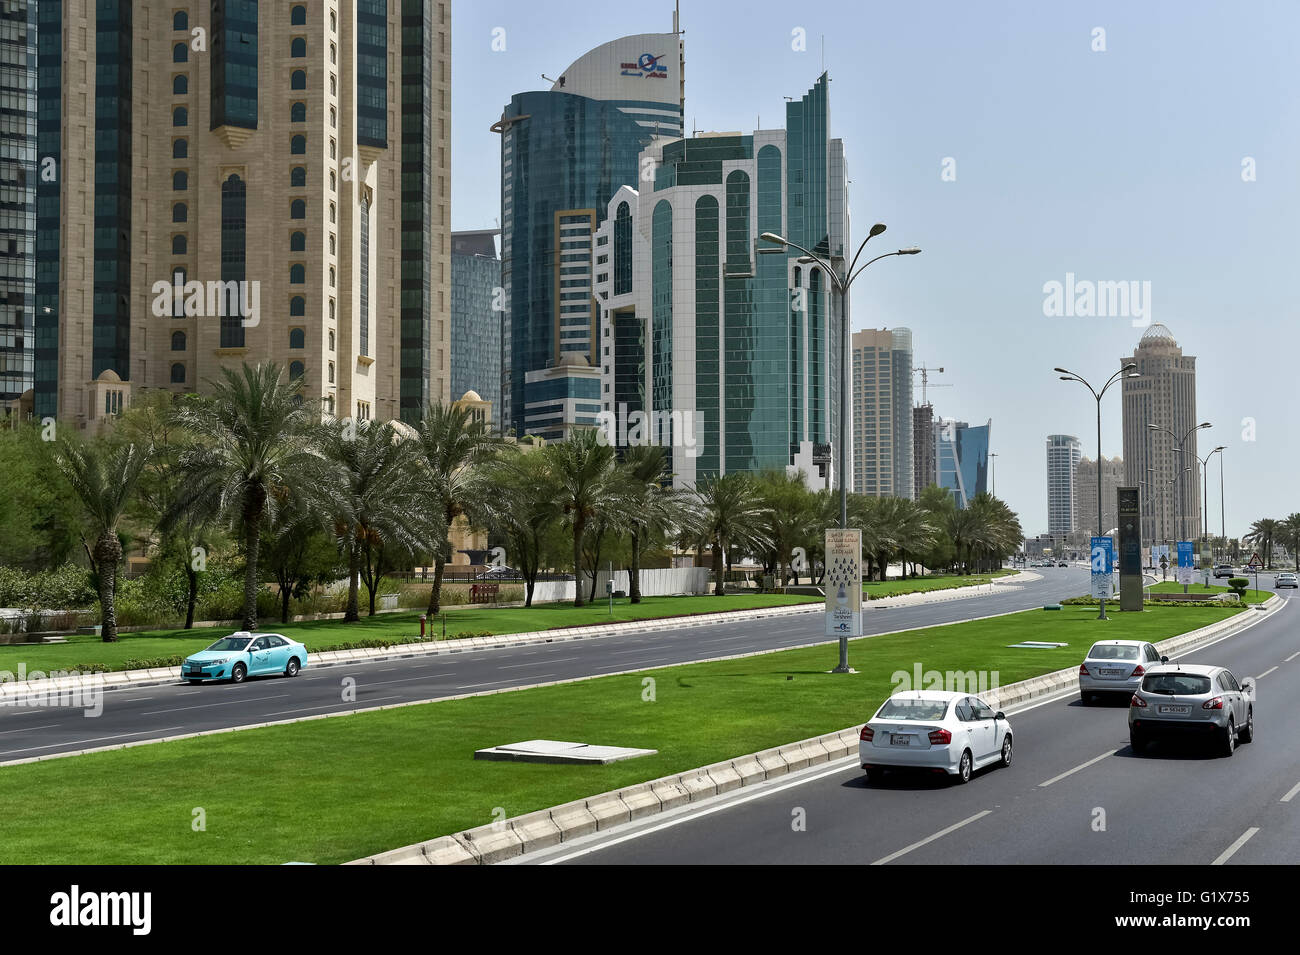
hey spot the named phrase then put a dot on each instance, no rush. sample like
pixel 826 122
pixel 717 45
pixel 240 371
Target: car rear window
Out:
pixel 896 709
pixel 1112 652
pixel 1180 684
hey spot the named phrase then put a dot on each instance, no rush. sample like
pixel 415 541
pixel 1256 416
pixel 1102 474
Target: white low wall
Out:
pixel 661 582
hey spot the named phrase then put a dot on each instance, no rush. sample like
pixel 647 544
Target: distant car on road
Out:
pixel 936 730
pixel 1062 564
pixel 1115 666
pixel 1224 570
pixel 1285 580
pixel 1192 701
pixel 244 654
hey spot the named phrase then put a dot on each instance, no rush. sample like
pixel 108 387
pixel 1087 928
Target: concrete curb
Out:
pixel 12 691
pixel 546 828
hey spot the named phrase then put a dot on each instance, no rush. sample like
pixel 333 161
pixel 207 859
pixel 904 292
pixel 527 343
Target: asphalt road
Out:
pixel 151 712
pixel 1075 793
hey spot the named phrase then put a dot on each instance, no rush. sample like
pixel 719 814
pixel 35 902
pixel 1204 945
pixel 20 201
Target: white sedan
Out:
pixel 941 731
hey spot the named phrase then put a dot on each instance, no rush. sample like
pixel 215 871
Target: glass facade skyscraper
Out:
pixel 18 178
pixel 962 455
pixel 475 318
pixel 564 153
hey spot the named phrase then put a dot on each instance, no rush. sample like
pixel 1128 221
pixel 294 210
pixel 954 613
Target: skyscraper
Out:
pixel 1063 451
pixel 882 413
pixel 18 177
pixel 477 314
pixel 1085 494
pixel 925 468
pixel 244 182
pixel 1164 395
pixel 962 456
pixel 730 340
pixel 564 153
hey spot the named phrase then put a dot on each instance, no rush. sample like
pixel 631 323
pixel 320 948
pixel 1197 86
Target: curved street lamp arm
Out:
pixel 865 264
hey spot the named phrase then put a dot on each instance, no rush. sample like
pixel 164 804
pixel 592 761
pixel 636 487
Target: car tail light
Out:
pixel 1214 704
pixel 1139 671
pixel 1137 701
pixel 1083 670
pixel 867 734
pixel 940 737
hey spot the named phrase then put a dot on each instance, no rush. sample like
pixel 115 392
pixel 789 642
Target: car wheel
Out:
pixel 1137 742
pixel 292 668
pixel 1248 731
pixel 870 775
pixel 964 767
pixel 1228 741
pixel 1006 750
pixel 1085 698
pixel 238 673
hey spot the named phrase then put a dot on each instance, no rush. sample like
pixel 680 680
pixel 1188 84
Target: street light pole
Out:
pixel 1180 447
pixel 842 283
pixel 1127 371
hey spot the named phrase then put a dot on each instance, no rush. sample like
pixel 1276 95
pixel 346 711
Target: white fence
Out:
pixel 662 582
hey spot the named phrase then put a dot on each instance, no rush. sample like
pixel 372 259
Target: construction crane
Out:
pixel 925 372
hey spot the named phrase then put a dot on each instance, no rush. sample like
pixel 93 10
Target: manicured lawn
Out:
pixel 338 789
pixel 320 633
pixel 1173 587
pixel 892 588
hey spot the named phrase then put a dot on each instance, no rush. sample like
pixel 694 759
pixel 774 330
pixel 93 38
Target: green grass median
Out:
pixel 1173 587
pixel 876 589
pixel 332 790
pixel 89 649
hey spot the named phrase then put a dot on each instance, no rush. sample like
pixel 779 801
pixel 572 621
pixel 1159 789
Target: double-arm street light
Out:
pixel 1180 444
pixel 842 283
pixel 1128 371
pixel 1205 490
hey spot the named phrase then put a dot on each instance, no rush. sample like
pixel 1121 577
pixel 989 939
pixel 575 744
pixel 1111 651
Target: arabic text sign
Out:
pixel 843 582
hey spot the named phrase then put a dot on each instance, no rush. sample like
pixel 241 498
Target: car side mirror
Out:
pixel 1000 715
pixel 1164 659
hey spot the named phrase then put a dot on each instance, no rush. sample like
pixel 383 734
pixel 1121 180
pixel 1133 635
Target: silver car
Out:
pixel 1114 667
pixel 1192 701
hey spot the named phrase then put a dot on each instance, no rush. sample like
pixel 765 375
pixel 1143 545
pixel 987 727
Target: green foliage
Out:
pixel 1239 585
pixel 66 587
pixel 40 518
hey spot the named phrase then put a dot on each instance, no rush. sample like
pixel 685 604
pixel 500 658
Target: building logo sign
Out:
pixel 648 67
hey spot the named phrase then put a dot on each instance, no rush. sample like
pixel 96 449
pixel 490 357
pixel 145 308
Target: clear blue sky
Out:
pixel 1116 165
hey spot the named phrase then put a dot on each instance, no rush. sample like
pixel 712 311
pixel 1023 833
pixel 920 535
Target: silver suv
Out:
pixel 1183 700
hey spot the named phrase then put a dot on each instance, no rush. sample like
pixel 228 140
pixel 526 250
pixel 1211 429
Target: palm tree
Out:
pixel 256 449
pixel 788 512
pixel 380 506
pixel 1291 534
pixel 525 509
pixel 651 511
pixel 582 471
pixel 726 511
pixel 453 445
pixel 103 475
pixel 1261 535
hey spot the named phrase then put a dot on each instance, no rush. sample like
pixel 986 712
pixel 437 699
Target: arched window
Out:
pixel 298 47
pixel 178 341
pixel 180 245
pixel 181 53
pixel 331 373
pixel 623 249
pixel 298 145
pixel 178 373
pixel 298 242
pixel 180 180
pixel 297 274
pixel 298 113
pixel 297 338
pixel 298 176
pixel 180 84
pixel 298 209
pixel 298 16
pixel 180 116
pixel 180 149
pixel 331 310
pixel 297 306
pixel 331 276
pixel 298 80
pixel 179 275
pixel 180 20
pixel 296 369
pixel 332 244
pixel 180 212
pixel 331 339
pixel 737 218
pixel 334 118
pixel 333 213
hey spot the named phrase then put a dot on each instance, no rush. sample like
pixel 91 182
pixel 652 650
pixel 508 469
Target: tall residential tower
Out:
pixel 1063 451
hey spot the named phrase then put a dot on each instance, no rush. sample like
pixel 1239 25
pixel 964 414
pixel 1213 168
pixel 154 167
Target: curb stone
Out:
pixel 576 819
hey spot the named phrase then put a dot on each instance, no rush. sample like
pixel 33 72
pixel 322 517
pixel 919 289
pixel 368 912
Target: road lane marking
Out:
pixel 1292 657
pixel 471 686
pixel 1265 673
pixel 177 709
pixel 304 709
pixel 24 729
pixel 928 839
pixel 1241 841
pixel 1071 772
pixel 78 742
pixel 1292 794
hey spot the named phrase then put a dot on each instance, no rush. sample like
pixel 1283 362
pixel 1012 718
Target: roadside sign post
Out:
pixel 1103 562
pixel 843 589
pixel 1186 563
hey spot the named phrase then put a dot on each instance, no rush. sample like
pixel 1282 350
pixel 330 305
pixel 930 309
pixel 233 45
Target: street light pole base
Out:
pixel 842 670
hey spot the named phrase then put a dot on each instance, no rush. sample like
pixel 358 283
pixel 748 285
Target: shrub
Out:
pixel 1239 585
pixel 64 588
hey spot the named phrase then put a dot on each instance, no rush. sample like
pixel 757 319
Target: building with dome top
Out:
pixel 1164 395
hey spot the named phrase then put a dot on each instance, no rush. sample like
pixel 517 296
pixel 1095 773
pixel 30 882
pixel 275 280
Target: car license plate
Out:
pixel 196 671
pixel 1174 710
pixel 899 739
pixel 1111 671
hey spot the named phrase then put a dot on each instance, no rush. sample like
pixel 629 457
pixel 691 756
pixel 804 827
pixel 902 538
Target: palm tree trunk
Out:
pixel 191 595
pixel 352 614
pixel 579 526
pixel 435 596
pixel 284 604
pixel 108 552
pixel 252 544
pixel 634 572
pixel 718 588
